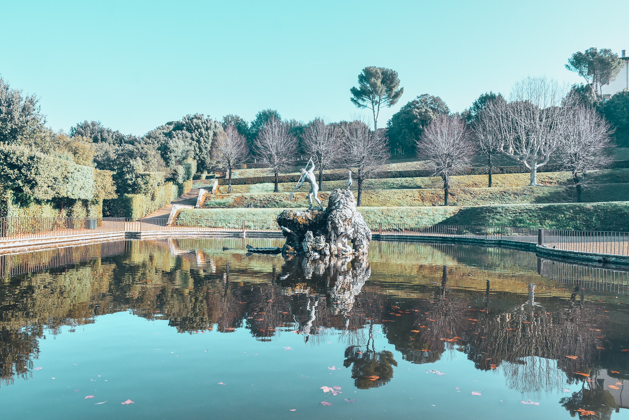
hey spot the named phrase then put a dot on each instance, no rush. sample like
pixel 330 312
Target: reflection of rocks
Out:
pixel 342 278
pixel 347 285
pixel 316 234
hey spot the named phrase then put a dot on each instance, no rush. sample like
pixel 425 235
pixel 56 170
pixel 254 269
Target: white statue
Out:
pixel 308 174
pixel 349 180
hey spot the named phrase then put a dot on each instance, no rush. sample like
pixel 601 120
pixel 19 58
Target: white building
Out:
pixel 621 82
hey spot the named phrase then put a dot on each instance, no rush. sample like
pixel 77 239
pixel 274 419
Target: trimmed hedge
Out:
pixel 34 175
pixel 190 167
pixel 136 206
pixel 185 187
pixel 575 216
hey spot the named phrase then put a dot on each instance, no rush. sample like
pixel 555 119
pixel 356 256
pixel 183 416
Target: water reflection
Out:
pixel 491 305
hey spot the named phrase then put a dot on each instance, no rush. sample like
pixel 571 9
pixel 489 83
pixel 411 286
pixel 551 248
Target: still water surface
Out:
pixel 198 329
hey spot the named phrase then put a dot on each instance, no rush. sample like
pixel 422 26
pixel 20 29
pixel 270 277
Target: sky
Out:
pixel 135 65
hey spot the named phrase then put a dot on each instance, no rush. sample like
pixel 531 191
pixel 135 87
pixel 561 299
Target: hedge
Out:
pixel 574 216
pixel 136 206
pixel 190 167
pixel 38 176
pixel 185 187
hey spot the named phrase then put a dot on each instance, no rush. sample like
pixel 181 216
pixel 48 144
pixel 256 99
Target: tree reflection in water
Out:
pixel 200 289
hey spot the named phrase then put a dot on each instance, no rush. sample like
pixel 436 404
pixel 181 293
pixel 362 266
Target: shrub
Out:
pixel 33 175
pixel 190 167
pixel 136 206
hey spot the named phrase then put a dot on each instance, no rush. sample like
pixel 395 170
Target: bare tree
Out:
pixel 364 152
pixel 447 144
pixel 275 147
pixel 487 139
pixel 321 142
pixel 531 126
pixel 584 144
pixel 231 150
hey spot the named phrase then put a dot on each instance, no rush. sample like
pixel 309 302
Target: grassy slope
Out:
pixel 434 197
pixel 469 181
pixel 598 216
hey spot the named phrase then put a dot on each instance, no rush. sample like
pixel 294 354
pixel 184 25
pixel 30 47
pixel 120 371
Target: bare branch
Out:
pixel 275 147
pixel 447 144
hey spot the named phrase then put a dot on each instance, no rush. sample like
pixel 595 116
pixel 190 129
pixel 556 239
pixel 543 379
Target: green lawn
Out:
pixel 589 216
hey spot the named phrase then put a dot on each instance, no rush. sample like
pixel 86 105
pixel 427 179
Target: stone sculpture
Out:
pixel 349 179
pixel 308 174
pixel 340 230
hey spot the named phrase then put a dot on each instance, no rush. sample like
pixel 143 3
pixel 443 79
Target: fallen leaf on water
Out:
pixel 526 322
pixel 613 386
pixel 594 329
pixel 102 402
pixel 625 350
pixel 338 388
pixel 88 397
pixel 334 368
pixel 325 403
pixel 372 378
pixel 582 374
pixel 287 348
pixel 221 383
pixel 565 390
pixel 601 348
pixel 475 393
pixel 414 331
pixel 585 412
pixel 529 402
pixel 471 319
pixel 128 402
pixel 350 401
pixel 615 371
pixel 436 372
pixel 431 320
pixel 572 357
pixel 494 366
pixel 293 409
pixel 458 389
pixel 618 383
pixel 38 368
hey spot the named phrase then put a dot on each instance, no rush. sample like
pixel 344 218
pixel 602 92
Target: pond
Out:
pixel 197 328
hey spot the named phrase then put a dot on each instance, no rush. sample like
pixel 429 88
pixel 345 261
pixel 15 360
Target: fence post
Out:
pixel 380 231
pixel 244 234
pixel 540 237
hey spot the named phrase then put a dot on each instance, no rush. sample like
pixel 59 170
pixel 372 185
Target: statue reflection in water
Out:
pixel 339 282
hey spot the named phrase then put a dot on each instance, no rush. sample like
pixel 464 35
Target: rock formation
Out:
pixel 340 230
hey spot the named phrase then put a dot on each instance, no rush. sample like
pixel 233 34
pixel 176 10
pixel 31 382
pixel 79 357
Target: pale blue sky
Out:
pixel 135 65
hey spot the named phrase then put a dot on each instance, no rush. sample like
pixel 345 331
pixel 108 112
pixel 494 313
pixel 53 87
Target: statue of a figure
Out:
pixel 308 174
pixel 349 179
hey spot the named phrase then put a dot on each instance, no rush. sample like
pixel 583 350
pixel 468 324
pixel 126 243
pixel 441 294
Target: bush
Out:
pixel 184 187
pixel 33 175
pixel 178 174
pixel 190 167
pixel 136 206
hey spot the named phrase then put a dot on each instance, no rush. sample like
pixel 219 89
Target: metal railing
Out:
pixel 29 228
pixel 516 234
pixel 592 242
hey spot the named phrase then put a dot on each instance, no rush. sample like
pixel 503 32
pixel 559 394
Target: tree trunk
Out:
pixel 579 187
pixel 490 167
pixel 320 178
pixel 375 121
pixel 276 182
pixel 446 191
pixel 229 188
pixel 360 189
pixel 533 175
